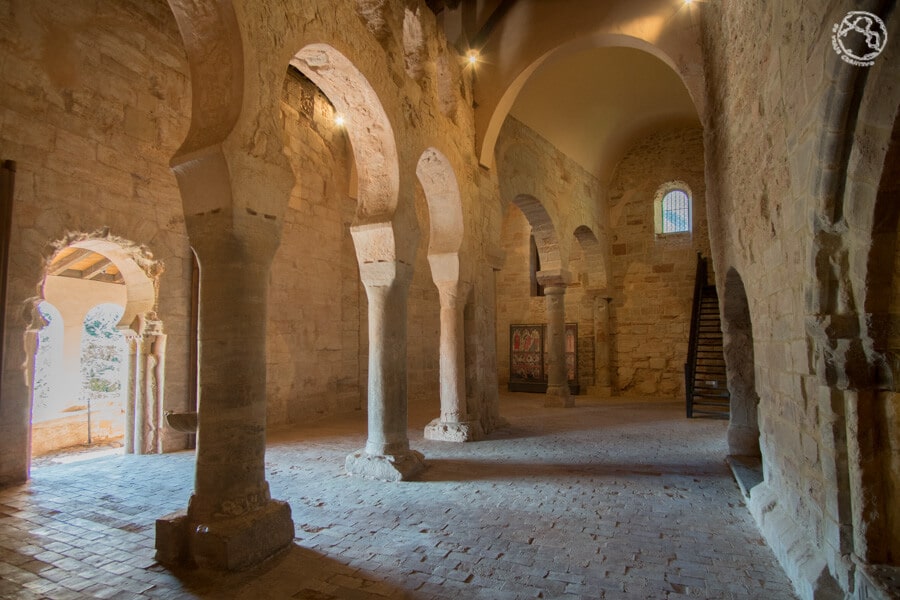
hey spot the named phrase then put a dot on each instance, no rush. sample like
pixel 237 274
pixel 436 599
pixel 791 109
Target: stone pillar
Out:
pixel 454 424
pixel 148 390
pixel 494 259
pixel 557 382
pixel 131 397
pixel 231 521
pixel 602 350
pixel 387 455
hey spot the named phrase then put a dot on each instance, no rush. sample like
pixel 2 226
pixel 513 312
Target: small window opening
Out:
pixel 672 208
pixel 676 212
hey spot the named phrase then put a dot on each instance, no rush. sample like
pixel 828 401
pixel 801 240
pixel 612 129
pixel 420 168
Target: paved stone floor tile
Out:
pixel 612 499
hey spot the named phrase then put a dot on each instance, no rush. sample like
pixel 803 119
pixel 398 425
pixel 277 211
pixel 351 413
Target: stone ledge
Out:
pixel 804 564
pixel 441 431
pixel 229 544
pixel 392 467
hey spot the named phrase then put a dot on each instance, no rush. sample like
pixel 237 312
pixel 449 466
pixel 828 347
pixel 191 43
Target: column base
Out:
pixel 442 431
pixel 559 396
pixel 390 467
pixel 228 544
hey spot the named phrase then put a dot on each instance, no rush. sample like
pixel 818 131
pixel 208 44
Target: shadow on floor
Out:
pixel 460 470
pixel 297 572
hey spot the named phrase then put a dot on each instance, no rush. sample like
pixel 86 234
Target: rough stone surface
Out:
pixel 562 504
pixel 652 276
pixel 91 115
pixel 451 432
pixel 401 466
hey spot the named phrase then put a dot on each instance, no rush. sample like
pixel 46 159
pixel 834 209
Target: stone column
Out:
pixel 134 342
pixel 602 350
pixel 453 424
pixel 387 455
pixel 231 522
pixel 557 382
pixel 495 258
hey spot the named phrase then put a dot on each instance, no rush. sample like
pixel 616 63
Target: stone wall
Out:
pixel 529 165
pixel 317 343
pixel 94 101
pixel 652 283
pixel 795 144
pixel 761 229
pixel 651 278
pixel 316 302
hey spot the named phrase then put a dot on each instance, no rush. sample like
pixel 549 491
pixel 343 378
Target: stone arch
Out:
pixel 737 329
pixel 543 230
pixel 445 215
pixel 140 274
pixel 594 258
pixel 518 167
pixel 877 510
pixel 367 125
pixel 212 41
pixel 490 124
pixel 850 235
pixel 661 191
pixel 139 270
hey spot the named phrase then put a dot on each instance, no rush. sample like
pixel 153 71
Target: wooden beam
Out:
pixel 96 269
pixel 64 264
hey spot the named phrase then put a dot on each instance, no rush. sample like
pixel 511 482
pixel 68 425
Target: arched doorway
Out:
pixel 737 329
pixel 97 349
pixel 80 375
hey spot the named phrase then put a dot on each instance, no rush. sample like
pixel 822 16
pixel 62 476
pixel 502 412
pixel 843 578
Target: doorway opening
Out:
pixel 97 352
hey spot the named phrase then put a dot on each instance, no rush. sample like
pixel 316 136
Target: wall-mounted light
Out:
pixel 339 120
pixel 472 57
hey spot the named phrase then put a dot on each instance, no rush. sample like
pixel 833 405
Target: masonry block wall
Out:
pixel 315 314
pixel 94 101
pixel 652 282
pixel 762 232
pixel 800 244
pixel 534 167
pixel 423 321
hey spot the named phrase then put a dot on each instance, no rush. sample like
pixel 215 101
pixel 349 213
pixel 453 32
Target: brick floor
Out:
pixel 610 499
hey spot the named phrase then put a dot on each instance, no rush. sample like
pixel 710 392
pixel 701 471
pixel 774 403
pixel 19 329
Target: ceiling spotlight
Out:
pixel 339 120
pixel 472 57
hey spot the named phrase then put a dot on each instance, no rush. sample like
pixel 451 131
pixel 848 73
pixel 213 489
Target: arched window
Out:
pixel 672 209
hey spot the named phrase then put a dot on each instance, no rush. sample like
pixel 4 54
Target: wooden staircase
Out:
pixel 705 380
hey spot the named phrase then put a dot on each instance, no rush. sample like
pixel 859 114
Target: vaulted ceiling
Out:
pixel 594 104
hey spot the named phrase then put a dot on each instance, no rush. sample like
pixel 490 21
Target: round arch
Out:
pixel 139 271
pixel 543 230
pixel 737 329
pixel 445 215
pixel 594 257
pixel 67 283
pixel 852 254
pixel 492 124
pixel 367 125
